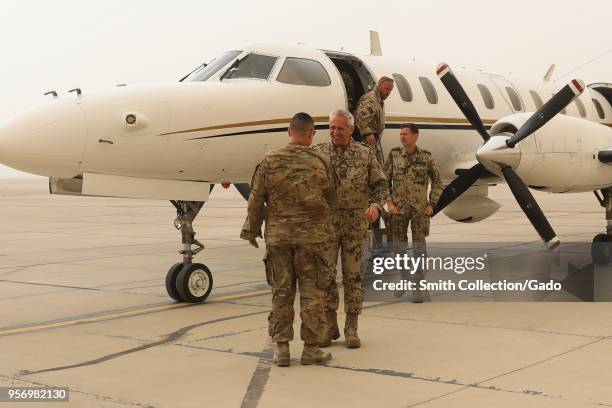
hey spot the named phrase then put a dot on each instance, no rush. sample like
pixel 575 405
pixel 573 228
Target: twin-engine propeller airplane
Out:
pixel 175 141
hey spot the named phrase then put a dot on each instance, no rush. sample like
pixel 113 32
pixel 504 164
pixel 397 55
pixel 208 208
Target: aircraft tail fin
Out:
pixel 375 48
pixel 549 73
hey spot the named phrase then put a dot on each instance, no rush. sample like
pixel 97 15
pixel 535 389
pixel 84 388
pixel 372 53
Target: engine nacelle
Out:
pixel 472 206
pixel 562 156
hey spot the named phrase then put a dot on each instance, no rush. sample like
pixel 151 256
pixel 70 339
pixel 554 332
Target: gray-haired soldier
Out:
pixel 362 192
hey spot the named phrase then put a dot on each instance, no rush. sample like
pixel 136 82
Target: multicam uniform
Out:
pixel 299 189
pixel 362 182
pixel 370 118
pixel 409 175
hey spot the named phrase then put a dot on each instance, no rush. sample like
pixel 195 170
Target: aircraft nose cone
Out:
pixel 494 154
pixel 48 140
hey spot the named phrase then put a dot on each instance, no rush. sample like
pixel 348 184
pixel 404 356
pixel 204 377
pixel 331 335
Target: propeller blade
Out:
pixel 458 94
pixel 547 111
pixel 459 186
pixel 530 207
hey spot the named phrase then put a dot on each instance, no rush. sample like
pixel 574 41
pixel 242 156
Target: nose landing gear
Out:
pixel 601 248
pixel 187 281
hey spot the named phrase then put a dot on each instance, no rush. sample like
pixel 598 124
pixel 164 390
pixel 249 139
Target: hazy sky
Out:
pixel 61 44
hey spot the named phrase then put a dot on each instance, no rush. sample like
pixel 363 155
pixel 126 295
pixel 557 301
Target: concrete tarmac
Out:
pixel 83 305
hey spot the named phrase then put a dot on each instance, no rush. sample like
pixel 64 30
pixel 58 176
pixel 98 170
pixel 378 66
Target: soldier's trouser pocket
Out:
pixel 420 226
pixel 426 224
pixel 324 265
pixel 269 265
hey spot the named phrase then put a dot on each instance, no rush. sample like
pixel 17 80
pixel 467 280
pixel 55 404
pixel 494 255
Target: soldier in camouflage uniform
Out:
pixel 298 186
pixel 370 115
pixel 409 170
pixel 362 192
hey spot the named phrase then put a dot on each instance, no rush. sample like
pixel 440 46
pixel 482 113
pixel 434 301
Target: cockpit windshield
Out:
pixel 253 66
pixel 215 65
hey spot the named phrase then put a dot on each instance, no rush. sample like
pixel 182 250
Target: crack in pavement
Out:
pixel 527 392
pixel 68 288
pixel 66 261
pixel 16 268
pixel 175 335
pixel 260 377
pixel 223 335
pixel 52 285
pixel 464 385
pixel 142 340
pixel 104 315
pixel 265 359
pixel 484 326
pixel 89 394
pixel 413 376
pixel 103 288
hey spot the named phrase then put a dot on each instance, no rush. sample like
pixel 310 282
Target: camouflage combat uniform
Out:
pixel 370 118
pixel 299 189
pixel 362 182
pixel 409 175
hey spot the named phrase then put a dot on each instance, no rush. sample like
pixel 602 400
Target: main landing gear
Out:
pixel 187 281
pixel 601 248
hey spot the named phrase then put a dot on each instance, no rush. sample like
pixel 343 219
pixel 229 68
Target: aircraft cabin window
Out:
pixel 213 67
pixel 599 108
pixel 301 71
pixel 537 101
pixel 487 97
pixel 515 99
pixel 253 66
pixel 430 90
pixel 403 87
pixel 580 107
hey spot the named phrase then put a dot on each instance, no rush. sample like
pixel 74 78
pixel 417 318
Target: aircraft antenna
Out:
pixel 585 64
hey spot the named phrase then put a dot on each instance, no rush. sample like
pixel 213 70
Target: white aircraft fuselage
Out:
pixel 172 141
pixel 216 130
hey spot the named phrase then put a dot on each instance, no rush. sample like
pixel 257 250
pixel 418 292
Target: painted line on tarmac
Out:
pixel 125 314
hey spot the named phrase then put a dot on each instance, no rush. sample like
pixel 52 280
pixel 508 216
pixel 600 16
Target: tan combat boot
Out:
pixel 282 358
pixel 351 340
pixel 312 354
pixel 332 332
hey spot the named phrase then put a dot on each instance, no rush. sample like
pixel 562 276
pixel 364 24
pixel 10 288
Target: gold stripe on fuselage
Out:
pixel 285 121
pixel 423 119
pixel 243 124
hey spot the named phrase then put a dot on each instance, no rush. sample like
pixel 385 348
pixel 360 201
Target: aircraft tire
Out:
pixel 171 282
pixel 194 283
